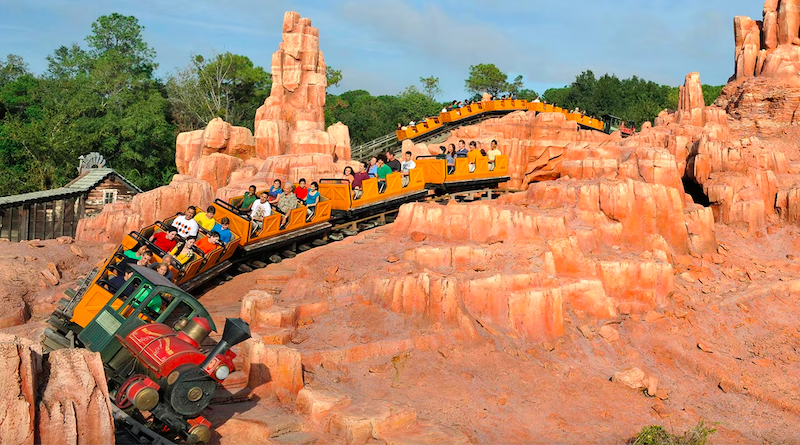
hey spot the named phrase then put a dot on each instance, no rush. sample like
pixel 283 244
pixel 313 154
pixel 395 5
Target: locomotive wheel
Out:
pixel 191 392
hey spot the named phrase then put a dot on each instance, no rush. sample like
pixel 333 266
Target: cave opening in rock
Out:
pixel 696 191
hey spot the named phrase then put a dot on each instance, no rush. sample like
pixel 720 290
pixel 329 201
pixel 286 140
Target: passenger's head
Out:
pixel 373 161
pixel 472 145
pixel 128 273
pixel 191 211
pixel 289 188
pixel 313 187
pixel 172 232
pixel 225 222
pixel 167 259
pixel 252 190
pixel 443 149
pixel 190 242
pixel 162 269
pixel 277 183
pixel 380 162
pixel 389 156
pixel 211 210
pixel 214 237
pixel 348 171
pixel 147 255
pixel 462 144
pixel 140 251
pixel 302 182
pixel 408 156
pixel 494 143
pixel 452 148
pixel 263 197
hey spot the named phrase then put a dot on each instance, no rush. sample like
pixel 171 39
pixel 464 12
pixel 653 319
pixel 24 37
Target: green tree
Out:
pixel 486 77
pixel 227 86
pixel 516 86
pixel 430 86
pixel 369 117
pixel 104 98
pixel 12 68
pixel 710 93
pixel 333 76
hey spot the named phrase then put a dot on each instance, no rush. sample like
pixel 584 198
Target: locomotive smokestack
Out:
pixel 236 331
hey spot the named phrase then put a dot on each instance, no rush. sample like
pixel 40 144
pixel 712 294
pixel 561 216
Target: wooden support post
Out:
pixel 382 218
pixel 35 216
pixel 63 211
pixel 24 222
pixel 11 236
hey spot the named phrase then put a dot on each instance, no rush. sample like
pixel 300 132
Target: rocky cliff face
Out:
pixel 61 400
pixel 763 94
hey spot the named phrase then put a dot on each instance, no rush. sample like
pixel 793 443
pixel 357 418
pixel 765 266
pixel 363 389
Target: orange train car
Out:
pixel 440 176
pixel 345 204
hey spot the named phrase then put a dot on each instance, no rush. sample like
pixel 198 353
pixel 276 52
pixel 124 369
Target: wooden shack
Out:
pixel 52 213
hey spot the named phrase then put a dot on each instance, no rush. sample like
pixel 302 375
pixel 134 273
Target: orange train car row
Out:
pixel 337 205
pixel 476 109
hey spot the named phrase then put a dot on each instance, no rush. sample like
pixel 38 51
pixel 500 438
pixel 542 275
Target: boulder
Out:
pixel 633 378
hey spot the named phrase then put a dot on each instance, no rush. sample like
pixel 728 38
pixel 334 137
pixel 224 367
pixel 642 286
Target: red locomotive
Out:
pixel 149 337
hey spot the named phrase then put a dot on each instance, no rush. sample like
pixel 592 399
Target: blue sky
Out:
pixel 383 46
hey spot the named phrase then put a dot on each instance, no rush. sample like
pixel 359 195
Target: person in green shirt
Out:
pixel 383 171
pixel 250 197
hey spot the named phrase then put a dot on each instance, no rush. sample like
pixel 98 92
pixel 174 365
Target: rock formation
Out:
pixel 74 406
pixel 763 94
pixel 214 153
pixel 292 119
pixel 63 400
pixel 34 275
pixel 770 47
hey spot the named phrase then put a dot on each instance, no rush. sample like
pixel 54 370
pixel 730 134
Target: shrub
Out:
pixel 657 435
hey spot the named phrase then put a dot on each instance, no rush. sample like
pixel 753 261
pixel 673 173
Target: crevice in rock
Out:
pixel 696 191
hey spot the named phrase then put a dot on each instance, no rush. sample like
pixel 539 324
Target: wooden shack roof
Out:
pixel 78 186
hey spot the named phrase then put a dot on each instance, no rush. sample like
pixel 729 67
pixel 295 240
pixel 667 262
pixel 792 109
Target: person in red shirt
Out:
pixel 301 191
pixel 358 179
pixel 165 241
pixel 209 243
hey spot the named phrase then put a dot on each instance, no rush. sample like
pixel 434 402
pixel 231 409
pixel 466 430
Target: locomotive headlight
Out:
pixel 222 372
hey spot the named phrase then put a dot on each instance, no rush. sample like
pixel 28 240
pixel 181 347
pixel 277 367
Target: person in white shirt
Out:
pixel 407 165
pixel 493 153
pixel 260 210
pixel 186 224
pixel 536 101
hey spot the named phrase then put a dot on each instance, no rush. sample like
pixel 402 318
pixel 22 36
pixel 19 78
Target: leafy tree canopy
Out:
pixel 633 99
pixel 226 85
pixel 103 98
pixel 430 86
pixel 333 76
